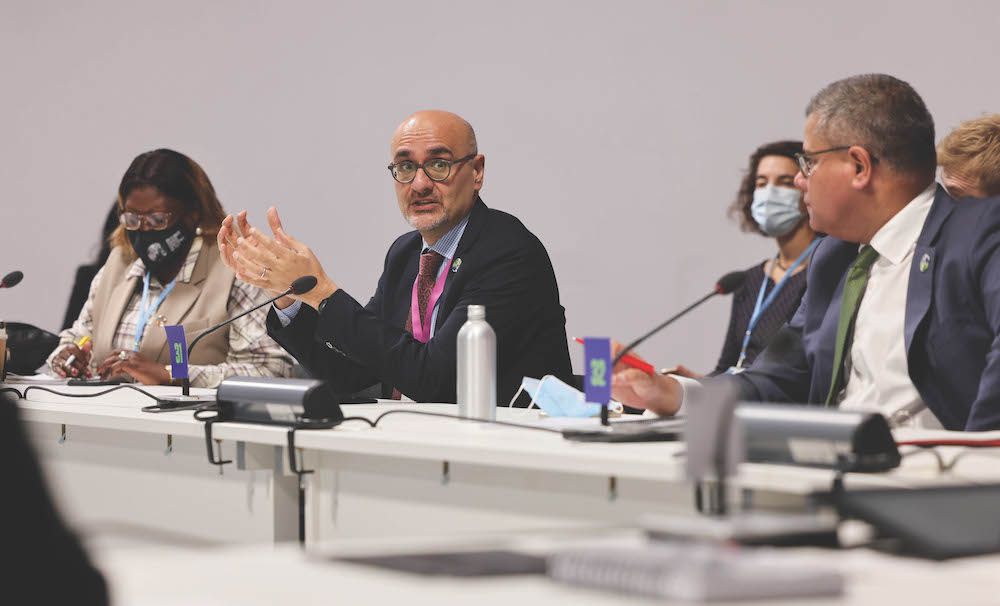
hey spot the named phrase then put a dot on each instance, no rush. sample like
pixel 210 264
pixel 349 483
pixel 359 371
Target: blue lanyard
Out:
pixel 145 311
pixel 763 304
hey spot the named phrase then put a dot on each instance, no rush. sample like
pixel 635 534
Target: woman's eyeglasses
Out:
pixel 155 220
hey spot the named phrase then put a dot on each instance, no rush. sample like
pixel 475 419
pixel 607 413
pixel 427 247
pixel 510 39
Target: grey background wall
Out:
pixel 618 132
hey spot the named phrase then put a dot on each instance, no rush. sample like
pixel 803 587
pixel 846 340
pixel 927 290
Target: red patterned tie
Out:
pixel 430 263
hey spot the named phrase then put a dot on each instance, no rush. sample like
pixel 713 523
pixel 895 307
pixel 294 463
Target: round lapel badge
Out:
pixel 925 262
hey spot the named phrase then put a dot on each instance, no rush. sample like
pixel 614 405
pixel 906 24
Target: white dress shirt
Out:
pixel 877 374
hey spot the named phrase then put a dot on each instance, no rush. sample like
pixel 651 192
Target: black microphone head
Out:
pixel 12 279
pixel 303 285
pixel 730 282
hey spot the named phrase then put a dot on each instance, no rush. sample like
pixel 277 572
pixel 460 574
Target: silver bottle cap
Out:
pixel 476 312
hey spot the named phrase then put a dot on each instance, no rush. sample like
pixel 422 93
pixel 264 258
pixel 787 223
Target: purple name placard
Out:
pixel 177 345
pixel 597 370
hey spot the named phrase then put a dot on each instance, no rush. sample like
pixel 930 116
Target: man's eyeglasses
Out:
pixel 155 220
pixel 437 169
pixel 806 162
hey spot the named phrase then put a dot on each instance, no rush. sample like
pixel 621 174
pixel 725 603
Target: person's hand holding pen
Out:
pixel 644 388
pixel 74 359
pixel 632 360
pixel 682 371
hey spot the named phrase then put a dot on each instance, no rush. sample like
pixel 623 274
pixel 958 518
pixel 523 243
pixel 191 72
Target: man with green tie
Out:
pixel 901 313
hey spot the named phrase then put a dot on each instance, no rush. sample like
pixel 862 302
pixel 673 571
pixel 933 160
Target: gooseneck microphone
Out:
pixel 299 287
pixel 12 279
pixel 726 285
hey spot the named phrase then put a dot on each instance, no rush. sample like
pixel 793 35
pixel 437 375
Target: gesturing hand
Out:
pixel 272 263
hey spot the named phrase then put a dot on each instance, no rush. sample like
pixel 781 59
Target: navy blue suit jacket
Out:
pixel 951 325
pixel 503 266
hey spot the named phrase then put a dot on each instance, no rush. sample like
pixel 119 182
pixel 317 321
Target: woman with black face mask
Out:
pixel 162 271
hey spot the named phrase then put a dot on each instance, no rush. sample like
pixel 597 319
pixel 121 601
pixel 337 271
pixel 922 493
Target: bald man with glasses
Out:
pixel 461 253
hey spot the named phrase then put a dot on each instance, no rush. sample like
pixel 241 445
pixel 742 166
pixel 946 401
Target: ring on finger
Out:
pixel 124 355
pixel 264 271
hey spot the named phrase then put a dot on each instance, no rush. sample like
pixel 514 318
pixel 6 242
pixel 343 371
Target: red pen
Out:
pixel 632 361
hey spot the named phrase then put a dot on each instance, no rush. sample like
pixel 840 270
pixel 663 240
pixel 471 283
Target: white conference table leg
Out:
pixel 128 486
pixel 372 496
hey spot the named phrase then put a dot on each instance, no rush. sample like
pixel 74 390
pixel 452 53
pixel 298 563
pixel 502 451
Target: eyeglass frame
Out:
pixel 144 221
pixel 450 164
pixel 803 158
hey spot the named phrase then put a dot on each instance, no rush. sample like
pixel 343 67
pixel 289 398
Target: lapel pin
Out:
pixel 925 262
pixel 456 265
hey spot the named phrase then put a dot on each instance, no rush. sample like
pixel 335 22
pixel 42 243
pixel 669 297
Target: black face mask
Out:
pixel 159 249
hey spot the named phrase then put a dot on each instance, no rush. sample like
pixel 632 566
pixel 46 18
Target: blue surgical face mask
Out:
pixel 558 399
pixel 776 209
pixel 528 386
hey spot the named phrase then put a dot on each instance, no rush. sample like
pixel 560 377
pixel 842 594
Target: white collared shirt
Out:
pixel 446 246
pixel 877 373
pixel 878 378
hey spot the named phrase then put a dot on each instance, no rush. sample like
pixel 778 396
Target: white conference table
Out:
pixel 112 472
pixel 252 575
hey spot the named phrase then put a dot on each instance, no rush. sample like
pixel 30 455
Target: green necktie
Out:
pixel 854 290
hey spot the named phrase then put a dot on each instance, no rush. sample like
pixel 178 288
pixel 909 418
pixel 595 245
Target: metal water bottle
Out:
pixel 477 367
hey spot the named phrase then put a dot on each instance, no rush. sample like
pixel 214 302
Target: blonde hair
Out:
pixel 176 176
pixel 972 151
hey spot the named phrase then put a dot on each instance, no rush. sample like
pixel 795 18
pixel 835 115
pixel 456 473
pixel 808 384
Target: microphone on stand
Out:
pixel 12 279
pixel 299 287
pixel 726 285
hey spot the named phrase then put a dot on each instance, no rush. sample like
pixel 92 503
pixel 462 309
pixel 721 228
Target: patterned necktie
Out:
pixel 430 263
pixel 854 290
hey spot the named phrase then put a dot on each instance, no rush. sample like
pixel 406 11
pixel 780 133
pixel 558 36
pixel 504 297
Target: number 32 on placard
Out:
pixel 598 373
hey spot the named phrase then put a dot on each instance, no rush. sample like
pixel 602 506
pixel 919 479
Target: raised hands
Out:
pixel 271 263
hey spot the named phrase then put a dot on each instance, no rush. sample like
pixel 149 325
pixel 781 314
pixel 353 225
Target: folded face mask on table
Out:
pixel 558 399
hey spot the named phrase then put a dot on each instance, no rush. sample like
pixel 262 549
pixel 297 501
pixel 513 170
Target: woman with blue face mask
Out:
pixel 768 203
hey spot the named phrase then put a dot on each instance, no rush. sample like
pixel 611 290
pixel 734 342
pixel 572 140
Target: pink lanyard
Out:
pixel 422 330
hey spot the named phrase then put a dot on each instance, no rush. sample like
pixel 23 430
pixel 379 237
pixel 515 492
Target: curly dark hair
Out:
pixel 740 208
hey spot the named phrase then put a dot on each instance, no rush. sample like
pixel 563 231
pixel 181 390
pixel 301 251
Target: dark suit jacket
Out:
pixel 504 267
pixel 952 322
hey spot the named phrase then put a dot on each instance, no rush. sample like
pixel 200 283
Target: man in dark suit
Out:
pixel 462 253
pixel 901 312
